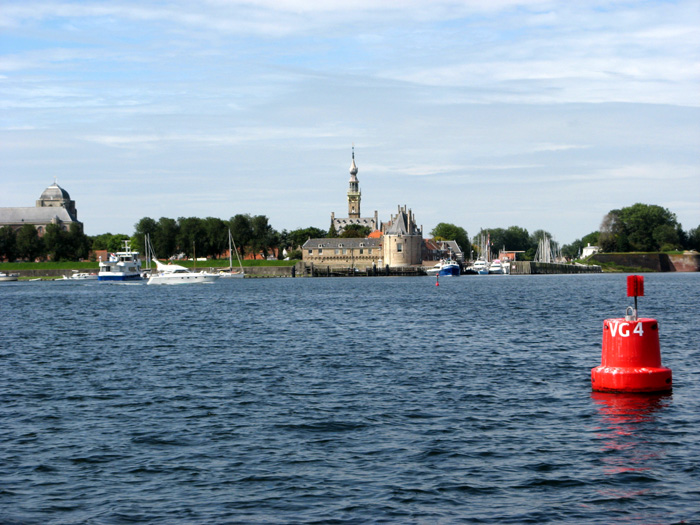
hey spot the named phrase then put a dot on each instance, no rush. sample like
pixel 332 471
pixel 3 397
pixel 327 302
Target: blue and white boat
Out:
pixel 121 266
pixel 445 267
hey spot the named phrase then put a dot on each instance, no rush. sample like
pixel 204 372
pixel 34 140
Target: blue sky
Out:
pixel 485 114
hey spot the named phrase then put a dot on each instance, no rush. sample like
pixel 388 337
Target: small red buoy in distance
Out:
pixel 437 280
pixel 631 360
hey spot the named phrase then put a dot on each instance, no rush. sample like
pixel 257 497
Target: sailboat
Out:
pixel 481 265
pixel 230 272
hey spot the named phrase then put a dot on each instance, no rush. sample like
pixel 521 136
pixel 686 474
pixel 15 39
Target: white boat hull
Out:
pixel 227 275
pixel 81 277
pixel 183 278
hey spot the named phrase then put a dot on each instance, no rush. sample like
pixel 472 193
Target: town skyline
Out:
pixel 484 115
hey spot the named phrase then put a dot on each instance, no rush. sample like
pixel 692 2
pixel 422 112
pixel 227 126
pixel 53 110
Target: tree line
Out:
pixel 641 227
pixel 637 228
pixel 56 244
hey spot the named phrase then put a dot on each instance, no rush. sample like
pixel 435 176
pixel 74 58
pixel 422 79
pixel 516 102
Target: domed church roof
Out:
pixel 54 192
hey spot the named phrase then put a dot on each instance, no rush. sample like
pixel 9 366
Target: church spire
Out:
pixel 354 194
pixel 353 166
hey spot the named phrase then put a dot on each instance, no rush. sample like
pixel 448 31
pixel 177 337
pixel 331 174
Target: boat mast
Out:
pixel 230 254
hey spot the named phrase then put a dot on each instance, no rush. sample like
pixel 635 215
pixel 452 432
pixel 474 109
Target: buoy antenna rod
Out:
pixel 635 288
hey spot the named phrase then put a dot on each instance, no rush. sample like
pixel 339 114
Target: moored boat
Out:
pixel 80 276
pixel 176 274
pixel 229 272
pixel 496 267
pixel 121 266
pixel 7 277
pixel 481 267
pixel 445 267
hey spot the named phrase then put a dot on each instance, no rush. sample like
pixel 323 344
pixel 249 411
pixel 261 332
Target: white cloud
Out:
pixel 505 103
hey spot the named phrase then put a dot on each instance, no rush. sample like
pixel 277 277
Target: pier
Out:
pixel 538 268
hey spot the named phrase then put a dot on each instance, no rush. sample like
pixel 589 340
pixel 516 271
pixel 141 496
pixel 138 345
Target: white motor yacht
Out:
pixel 176 274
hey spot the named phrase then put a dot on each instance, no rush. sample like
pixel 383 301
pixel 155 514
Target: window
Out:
pixel 311 252
pixel 320 251
pixel 362 251
pixel 337 251
pixel 345 251
pixel 369 251
pixel 399 247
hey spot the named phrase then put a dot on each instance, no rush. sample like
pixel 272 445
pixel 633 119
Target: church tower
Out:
pixel 354 194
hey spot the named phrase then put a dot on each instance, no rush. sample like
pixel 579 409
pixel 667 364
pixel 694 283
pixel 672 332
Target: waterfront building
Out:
pixel 400 244
pixel 435 250
pixel 396 243
pixel 347 253
pixel 589 250
pixel 403 240
pixel 54 206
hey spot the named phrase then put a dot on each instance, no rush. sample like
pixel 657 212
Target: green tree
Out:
pixel 56 243
pixel 693 239
pixel 297 238
pixel 8 243
pixel 145 226
pixel 216 235
pixel 355 231
pixel 332 232
pixel 29 245
pixel 449 232
pixel 79 244
pixel 263 235
pixel 516 239
pixel 191 238
pixel 165 239
pixel 242 231
pixel 109 242
pixel 640 227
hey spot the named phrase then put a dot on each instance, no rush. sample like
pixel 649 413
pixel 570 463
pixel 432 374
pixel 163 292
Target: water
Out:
pixel 366 400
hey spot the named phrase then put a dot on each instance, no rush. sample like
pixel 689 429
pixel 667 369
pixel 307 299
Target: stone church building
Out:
pixel 53 207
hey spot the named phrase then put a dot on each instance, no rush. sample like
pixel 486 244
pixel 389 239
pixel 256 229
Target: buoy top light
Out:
pixel 635 286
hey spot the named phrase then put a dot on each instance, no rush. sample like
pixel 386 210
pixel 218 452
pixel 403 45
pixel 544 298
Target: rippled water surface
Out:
pixel 342 401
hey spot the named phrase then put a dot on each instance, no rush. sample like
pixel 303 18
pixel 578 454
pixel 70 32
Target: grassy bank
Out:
pixel 75 265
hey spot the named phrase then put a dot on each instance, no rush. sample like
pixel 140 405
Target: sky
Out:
pixel 484 114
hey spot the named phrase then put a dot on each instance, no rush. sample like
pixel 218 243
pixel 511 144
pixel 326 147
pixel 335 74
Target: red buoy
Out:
pixel 631 359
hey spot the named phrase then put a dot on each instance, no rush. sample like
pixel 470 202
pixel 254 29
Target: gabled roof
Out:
pixel 402 224
pixel 34 215
pixel 340 242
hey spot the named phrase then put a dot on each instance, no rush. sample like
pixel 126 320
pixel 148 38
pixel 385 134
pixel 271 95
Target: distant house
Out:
pixel 435 250
pixel 589 250
pixel 509 255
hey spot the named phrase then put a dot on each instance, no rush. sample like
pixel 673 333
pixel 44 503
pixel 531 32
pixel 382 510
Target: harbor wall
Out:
pixel 655 262
pixel 537 268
